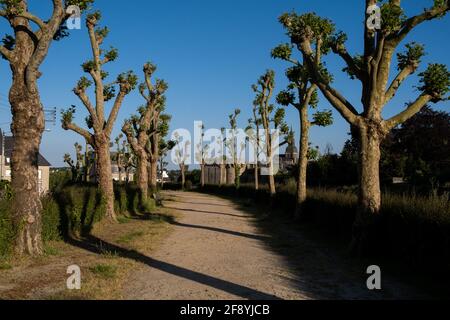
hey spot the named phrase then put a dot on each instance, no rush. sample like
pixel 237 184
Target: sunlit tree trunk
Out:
pixel 105 175
pixel 302 161
pixel 27 128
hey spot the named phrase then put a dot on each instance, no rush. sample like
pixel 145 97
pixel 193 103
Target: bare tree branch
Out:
pixel 414 21
pixel 115 110
pixel 6 53
pixel 397 82
pixel 344 107
pixel 87 103
pixel 82 132
pixel 410 111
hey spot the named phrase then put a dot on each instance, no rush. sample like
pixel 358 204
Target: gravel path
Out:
pixel 217 252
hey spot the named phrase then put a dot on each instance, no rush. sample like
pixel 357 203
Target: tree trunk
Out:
pixel 105 175
pixel 202 177
pixel 28 126
pixel 183 178
pixel 119 166
pixel 272 187
pixel 256 175
pixel 302 162
pixel 223 174
pixel 369 203
pixel 143 177
pixel 237 176
pixel 154 175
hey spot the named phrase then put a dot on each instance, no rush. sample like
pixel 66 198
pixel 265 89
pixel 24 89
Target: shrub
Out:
pixel 6 233
pixel 50 219
pixel 188 185
pixel 72 211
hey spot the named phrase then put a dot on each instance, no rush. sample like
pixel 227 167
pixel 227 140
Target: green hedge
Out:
pixel 73 210
pixel 413 229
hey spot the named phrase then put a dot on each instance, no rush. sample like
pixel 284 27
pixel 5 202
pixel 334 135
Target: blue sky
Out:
pixel 210 53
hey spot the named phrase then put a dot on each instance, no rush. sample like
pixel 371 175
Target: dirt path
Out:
pixel 216 251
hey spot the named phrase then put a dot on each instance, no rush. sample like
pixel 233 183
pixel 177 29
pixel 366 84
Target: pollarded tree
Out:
pixel 222 157
pixel 181 155
pixel 373 69
pixel 157 143
pixel 253 135
pixel 101 126
pixel 139 130
pixel 77 168
pixel 25 52
pixel 235 149
pixel 264 90
pixel 301 94
pixel 202 154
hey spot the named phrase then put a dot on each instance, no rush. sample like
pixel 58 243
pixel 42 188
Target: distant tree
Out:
pixel 222 157
pixel 120 154
pixel 311 33
pixel 264 90
pixel 139 130
pixel 253 132
pixel 181 156
pixel 102 127
pixel 25 51
pixel 202 154
pixel 235 149
pixel 301 94
pixel 77 168
pixel 129 160
pixel 419 149
pixel 161 127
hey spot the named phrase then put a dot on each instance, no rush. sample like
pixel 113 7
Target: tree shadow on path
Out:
pixel 98 246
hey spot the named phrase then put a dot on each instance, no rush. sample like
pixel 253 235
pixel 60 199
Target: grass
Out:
pixel 51 251
pixel 103 274
pixel 123 219
pixel 104 271
pixel 4 265
pixel 129 237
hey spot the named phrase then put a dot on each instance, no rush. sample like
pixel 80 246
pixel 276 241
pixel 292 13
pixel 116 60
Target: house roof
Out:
pixel 9 144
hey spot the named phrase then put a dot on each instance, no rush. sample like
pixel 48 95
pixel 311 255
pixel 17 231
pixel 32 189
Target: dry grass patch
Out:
pixel 103 271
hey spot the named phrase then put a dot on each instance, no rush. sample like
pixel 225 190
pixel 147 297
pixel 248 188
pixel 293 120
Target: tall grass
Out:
pixel 415 229
pixel 72 211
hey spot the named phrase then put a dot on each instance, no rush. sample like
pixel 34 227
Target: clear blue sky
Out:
pixel 210 53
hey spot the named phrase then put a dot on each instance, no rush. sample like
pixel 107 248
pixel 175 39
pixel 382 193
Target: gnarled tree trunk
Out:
pixel 154 174
pixel 28 126
pixel 143 176
pixel 105 174
pixel 302 162
pixel 369 187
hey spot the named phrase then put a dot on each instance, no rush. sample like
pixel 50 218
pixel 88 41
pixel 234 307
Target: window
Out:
pixel 8 160
pixel 40 174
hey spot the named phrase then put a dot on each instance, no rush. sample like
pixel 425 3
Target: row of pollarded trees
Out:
pixel 313 37
pixel 144 132
pixel 25 49
pixel 100 124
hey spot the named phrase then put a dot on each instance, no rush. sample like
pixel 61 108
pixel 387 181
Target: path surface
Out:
pixel 216 251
